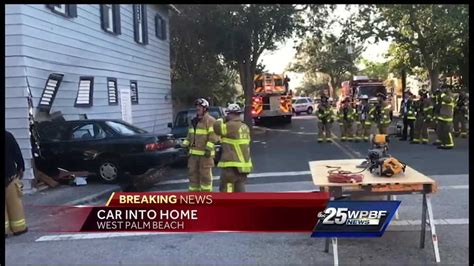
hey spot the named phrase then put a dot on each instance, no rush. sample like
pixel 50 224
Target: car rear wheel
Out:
pixel 109 171
pixel 310 110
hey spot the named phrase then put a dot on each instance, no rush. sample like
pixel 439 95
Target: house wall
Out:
pixel 40 42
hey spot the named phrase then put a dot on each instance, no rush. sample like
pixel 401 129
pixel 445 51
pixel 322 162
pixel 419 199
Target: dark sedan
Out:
pixel 108 148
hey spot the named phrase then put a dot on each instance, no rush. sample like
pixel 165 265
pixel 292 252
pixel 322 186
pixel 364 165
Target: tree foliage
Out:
pixel 434 33
pixel 196 69
pixel 329 55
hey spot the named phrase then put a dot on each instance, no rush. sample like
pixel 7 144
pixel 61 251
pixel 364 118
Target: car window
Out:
pixel 181 120
pixel 52 131
pixel 88 132
pixel 300 101
pixel 124 129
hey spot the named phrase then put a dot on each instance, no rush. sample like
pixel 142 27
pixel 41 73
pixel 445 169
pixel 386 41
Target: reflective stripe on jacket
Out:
pixel 202 137
pixel 325 114
pixel 350 114
pixel 447 108
pixel 235 141
pixel 381 114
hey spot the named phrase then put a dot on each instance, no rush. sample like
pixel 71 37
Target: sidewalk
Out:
pixel 70 195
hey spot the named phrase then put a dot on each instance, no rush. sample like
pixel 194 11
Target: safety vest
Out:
pixel 363 114
pixel 411 112
pixel 424 110
pixel 461 107
pixel 235 141
pixel 380 114
pixel 446 108
pixel 325 114
pixel 201 137
pixel 346 114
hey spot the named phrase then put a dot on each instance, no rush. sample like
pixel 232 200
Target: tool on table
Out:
pixel 340 176
pixel 379 160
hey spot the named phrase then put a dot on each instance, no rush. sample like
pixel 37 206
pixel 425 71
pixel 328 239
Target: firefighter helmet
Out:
pixel 202 102
pixel 234 108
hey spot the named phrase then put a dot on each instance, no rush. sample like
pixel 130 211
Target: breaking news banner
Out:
pixel 355 218
pixel 196 212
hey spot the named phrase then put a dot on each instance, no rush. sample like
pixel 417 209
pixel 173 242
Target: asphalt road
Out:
pixel 280 154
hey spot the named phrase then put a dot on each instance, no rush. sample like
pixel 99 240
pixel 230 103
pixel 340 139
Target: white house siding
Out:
pixel 40 42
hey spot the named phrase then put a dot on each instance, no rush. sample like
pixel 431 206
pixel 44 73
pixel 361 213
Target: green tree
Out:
pixel 375 69
pixel 329 55
pixel 431 31
pixel 196 69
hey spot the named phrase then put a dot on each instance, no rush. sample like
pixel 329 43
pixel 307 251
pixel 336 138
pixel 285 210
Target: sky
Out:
pixel 276 61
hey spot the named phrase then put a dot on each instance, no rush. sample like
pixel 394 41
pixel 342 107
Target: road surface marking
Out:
pixel 347 151
pixel 300 173
pixel 78 236
pixel 267 174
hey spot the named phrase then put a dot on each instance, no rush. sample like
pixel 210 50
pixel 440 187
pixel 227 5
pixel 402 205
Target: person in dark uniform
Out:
pixel 14 168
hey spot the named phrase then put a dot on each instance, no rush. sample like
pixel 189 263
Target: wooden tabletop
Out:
pixel 319 172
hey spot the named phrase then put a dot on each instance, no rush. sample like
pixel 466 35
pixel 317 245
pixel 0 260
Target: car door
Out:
pixel 86 143
pixel 300 104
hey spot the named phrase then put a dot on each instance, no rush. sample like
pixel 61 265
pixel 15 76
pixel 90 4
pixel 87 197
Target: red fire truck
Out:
pixel 271 99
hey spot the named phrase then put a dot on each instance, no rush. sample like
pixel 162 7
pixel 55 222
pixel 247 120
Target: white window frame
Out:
pixel 110 17
pixel 61 8
pixel 85 92
pixel 134 92
pixel 112 91
pixel 139 22
pixel 49 92
pixel 66 10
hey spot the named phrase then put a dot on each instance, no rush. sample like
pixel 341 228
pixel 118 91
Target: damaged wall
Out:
pixel 40 42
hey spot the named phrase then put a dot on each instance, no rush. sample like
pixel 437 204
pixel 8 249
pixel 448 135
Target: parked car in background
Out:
pixel 302 104
pixel 105 147
pixel 182 123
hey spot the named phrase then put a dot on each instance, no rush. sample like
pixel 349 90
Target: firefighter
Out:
pixel 436 108
pixel 200 142
pixel 325 117
pixel 445 119
pixel 407 111
pixel 14 168
pixel 461 115
pixel 346 117
pixel 424 116
pixel 380 114
pixel 363 123
pixel 235 160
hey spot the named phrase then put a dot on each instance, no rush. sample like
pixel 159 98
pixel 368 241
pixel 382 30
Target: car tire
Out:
pixel 310 110
pixel 109 170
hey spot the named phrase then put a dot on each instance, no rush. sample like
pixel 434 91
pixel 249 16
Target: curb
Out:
pixel 94 197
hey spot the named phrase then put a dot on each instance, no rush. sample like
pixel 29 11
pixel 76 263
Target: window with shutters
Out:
pixel 49 91
pixel 66 10
pixel 112 91
pixel 134 91
pixel 160 27
pixel 110 18
pixel 85 92
pixel 140 24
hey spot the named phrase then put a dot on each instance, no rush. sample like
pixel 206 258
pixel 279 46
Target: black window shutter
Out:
pixel 145 24
pixel 163 29
pixel 103 18
pixel 135 22
pixel 72 10
pixel 117 26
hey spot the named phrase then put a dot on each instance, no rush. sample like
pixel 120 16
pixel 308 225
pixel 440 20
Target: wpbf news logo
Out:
pixel 355 218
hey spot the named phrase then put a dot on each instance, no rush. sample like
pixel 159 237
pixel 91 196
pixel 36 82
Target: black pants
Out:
pixel 408 123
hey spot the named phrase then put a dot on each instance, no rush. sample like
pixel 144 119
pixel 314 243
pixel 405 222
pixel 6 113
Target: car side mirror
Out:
pixel 170 125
